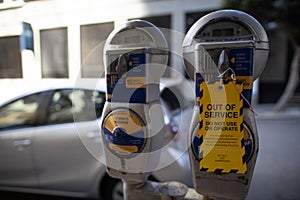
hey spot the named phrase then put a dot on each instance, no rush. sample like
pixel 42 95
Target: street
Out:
pixel 277 171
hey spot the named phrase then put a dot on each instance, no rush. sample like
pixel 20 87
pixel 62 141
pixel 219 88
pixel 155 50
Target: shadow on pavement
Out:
pixel 26 196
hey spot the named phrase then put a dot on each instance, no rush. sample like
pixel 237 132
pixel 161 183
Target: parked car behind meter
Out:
pixel 50 143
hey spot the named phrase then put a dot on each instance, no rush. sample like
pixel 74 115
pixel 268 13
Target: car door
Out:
pixel 17 126
pixel 63 162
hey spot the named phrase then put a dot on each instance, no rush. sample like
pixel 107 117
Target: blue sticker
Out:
pixel 241 61
pixel 129 87
pixel 198 80
pixel 124 144
pixel 196 147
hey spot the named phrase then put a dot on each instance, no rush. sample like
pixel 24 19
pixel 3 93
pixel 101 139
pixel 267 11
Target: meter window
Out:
pixel 91 44
pixel 223 32
pixel 54 53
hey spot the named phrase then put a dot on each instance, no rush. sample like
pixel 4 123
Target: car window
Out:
pixel 19 113
pixel 173 99
pixel 71 105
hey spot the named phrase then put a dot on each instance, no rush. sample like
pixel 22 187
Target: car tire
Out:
pixel 111 189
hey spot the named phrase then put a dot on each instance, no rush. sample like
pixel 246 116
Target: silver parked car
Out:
pixel 50 143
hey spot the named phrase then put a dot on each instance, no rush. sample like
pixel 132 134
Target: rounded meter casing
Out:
pixel 235 34
pixel 135 57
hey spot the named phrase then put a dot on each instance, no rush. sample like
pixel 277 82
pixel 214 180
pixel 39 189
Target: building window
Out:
pixel 164 24
pixel 54 53
pixel 191 18
pixel 10 57
pixel 92 41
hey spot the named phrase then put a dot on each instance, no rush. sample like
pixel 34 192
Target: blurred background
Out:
pixel 47 42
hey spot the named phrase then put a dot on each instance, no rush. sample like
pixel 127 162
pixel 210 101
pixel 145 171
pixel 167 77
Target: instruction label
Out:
pixel 220 133
pixel 241 61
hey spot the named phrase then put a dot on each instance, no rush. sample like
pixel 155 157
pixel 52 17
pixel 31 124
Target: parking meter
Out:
pixel 224 52
pixel 132 123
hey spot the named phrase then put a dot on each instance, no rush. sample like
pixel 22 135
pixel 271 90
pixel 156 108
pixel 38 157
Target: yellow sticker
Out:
pixel 123 119
pixel 136 82
pixel 221 128
pixel 124 149
pixel 247 81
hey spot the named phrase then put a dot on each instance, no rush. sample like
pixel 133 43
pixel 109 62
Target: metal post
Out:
pixel 150 190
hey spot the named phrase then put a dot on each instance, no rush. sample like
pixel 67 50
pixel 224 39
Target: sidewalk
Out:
pixel 264 111
pixel 277 170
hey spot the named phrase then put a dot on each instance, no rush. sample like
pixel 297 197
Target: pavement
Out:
pixel 277 170
pixel 265 111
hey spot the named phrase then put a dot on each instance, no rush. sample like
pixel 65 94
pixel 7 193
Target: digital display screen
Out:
pixel 223 32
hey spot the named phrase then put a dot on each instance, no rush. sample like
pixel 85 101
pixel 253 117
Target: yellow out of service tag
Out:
pixel 221 128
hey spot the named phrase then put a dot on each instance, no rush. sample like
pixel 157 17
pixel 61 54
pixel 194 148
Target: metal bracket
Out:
pixel 150 190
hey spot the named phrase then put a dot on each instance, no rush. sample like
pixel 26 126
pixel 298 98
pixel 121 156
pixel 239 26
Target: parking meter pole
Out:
pixel 135 191
pixel 150 190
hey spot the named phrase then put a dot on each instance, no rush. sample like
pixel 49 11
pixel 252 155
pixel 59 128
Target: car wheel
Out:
pixel 111 189
pixel 117 191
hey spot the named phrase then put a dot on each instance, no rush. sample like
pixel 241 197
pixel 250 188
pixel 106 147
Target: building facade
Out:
pixel 47 42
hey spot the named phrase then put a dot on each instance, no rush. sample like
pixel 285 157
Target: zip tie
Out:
pixel 233 77
pixel 223 73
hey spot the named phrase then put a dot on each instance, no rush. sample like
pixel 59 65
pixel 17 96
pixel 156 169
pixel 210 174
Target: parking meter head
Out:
pixel 137 34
